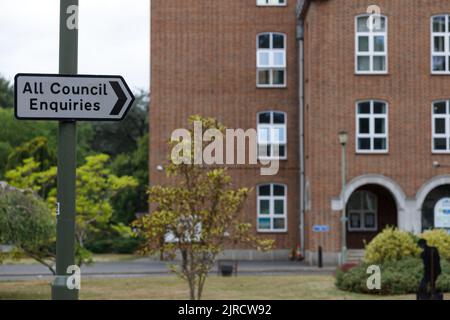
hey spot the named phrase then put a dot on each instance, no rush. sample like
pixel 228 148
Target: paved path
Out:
pixel 147 267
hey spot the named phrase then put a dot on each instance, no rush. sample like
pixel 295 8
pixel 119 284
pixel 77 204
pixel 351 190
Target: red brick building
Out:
pixel 301 72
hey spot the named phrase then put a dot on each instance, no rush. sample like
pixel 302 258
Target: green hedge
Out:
pixel 397 277
pixel 117 245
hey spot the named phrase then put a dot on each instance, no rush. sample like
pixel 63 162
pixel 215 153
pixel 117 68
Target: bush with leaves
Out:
pixel 397 277
pixel 440 239
pixel 27 223
pixel 390 245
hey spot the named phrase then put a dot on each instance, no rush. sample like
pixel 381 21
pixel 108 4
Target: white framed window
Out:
pixel 371 46
pixel 441 126
pixel 272 135
pixel 271 2
pixel 362 212
pixel 440 44
pixel 271 60
pixel 272 208
pixel 372 127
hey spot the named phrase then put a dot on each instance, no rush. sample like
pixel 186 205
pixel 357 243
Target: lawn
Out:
pixel 167 288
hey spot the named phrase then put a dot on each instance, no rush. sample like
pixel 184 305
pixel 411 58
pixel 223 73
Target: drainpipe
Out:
pixel 301 89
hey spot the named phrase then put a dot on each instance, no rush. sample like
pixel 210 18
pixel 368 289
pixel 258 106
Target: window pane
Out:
pixel 378 43
pixel 278 59
pixel 278 41
pixel 355 221
pixel 263 135
pixel 279 207
pixel 364 108
pixel 380 126
pixel 279 135
pixel 379 144
pixel 363 44
pixel 264 41
pixel 364 144
pixel 264 223
pixel 264 117
pixel 382 26
pixel 282 151
pixel 279 223
pixel 264 150
pixel 439 24
pixel 379 108
pixel 263 59
pixel 278 77
pixel 440 144
pixel 264 190
pixel 264 207
pixel 278 190
pixel 263 77
pixel 369 200
pixel 363 63
pixel 439 44
pixel 379 63
pixel 362 24
pixel 439 63
pixel 440 107
pixel 278 118
pixel 369 220
pixel 439 126
pixel 364 125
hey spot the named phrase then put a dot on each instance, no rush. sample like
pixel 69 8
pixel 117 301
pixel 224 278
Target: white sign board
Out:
pixel 442 214
pixel 71 97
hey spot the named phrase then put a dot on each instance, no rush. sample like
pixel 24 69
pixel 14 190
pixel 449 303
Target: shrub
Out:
pixel 440 239
pixel 397 277
pixel 117 245
pixel 391 244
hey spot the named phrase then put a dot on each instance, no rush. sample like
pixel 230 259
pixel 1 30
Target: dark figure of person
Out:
pixel 432 270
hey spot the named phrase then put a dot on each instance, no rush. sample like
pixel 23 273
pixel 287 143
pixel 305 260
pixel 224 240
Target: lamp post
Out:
pixel 343 140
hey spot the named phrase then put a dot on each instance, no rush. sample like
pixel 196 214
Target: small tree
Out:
pixel 27 223
pixel 196 217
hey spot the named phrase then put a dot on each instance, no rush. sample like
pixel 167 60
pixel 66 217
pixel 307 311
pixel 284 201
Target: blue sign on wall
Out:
pixel 321 228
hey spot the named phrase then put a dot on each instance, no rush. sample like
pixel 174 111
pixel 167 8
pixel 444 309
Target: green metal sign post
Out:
pixel 49 97
pixel 67 136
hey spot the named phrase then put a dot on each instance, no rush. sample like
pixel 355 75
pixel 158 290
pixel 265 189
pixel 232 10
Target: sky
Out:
pixel 114 38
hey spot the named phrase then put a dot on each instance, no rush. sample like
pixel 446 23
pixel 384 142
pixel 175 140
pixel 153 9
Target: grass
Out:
pixel 217 288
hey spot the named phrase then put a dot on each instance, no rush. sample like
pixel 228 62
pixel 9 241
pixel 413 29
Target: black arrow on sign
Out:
pixel 121 98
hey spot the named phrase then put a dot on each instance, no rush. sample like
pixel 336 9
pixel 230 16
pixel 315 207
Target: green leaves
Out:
pixel 195 216
pixel 27 223
pixel 96 186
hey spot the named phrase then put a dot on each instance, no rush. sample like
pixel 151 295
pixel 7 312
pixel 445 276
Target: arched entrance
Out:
pixel 435 208
pixel 370 209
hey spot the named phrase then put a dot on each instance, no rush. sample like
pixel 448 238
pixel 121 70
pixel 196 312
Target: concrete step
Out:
pixel 355 256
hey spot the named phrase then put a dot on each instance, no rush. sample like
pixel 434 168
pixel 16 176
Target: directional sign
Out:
pixel 71 97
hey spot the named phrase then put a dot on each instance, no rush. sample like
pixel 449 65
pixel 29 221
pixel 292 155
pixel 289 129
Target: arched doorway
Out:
pixel 436 208
pixel 370 209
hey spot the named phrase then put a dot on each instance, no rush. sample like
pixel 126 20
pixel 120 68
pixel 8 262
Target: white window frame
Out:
pixel 446 52
pixel 371 53
pixel 445 135
pixel 371 135
pixel 362 216
pixel 271 66
pixel 271 3
pixel 272 127
pixel 271 198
